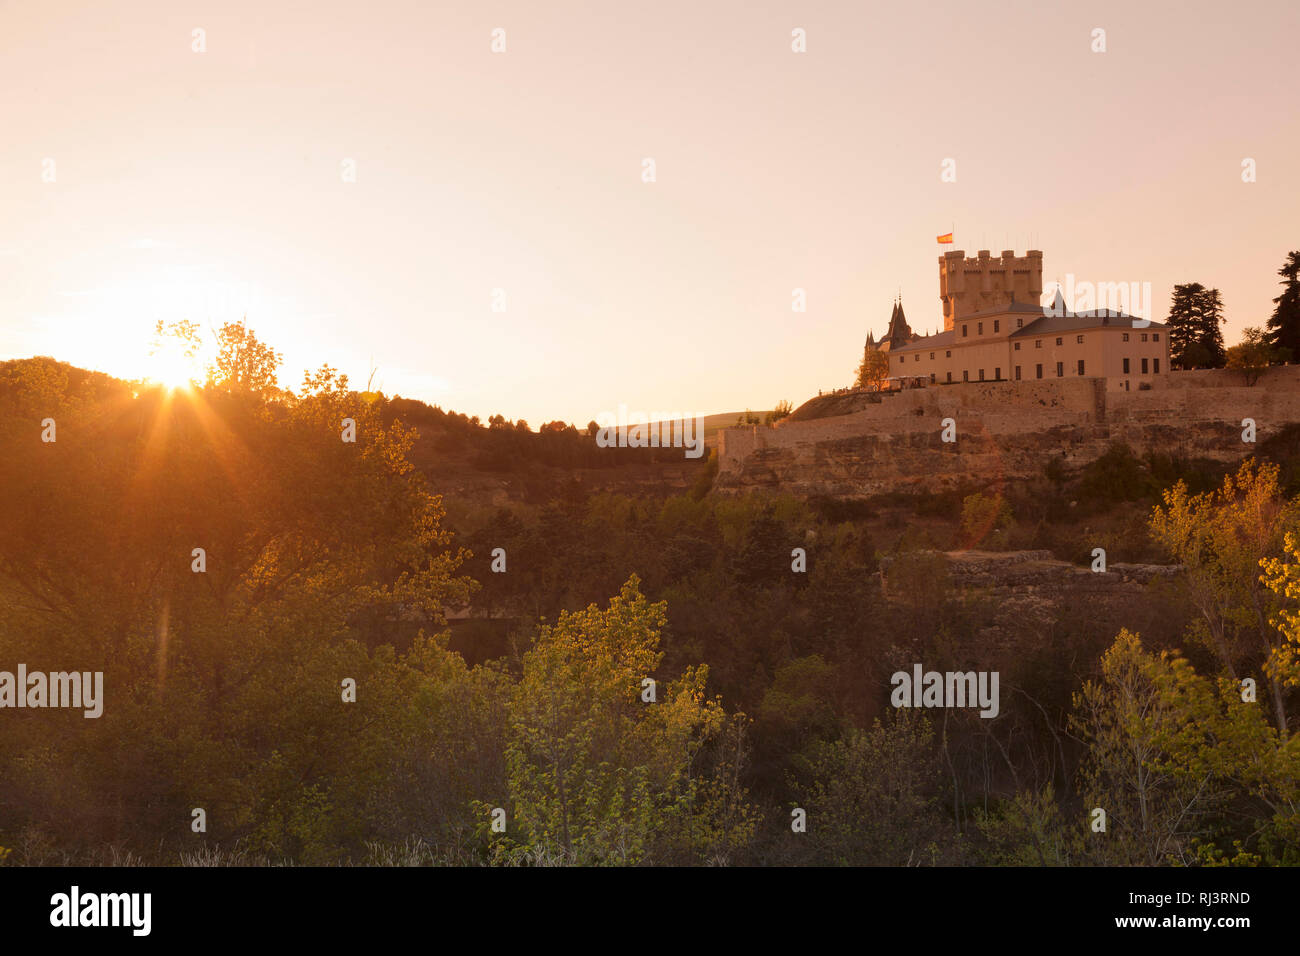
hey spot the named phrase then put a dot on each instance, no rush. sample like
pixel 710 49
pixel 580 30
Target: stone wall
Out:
pixel 1005 431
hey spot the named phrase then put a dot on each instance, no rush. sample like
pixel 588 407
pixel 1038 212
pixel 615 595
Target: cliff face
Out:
pixel 1004 431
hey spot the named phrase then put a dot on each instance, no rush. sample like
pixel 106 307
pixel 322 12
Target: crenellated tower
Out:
pixel 982 284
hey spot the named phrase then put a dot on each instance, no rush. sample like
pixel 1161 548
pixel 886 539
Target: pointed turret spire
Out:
pixel 900 333
pixel 1058 303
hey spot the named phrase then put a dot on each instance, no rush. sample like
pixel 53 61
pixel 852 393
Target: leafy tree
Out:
pixel 871 796
pixel 1027 830
pixel 1284 325
pixel 243 363
pixel 1221 537
pixel 985 519
pixel 1253 355
pixel 1117 475
pixel 1134 720
pixel 872 370
pixel 1195 355
pixel 596 773
pixel 782 410
pixel 183 335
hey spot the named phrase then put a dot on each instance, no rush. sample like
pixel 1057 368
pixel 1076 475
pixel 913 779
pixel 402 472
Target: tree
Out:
pixel 1195 317
pixel 1195 355
pixel 1284 326
pixel 183 336
pixel 243 363
pixel 1221 538
pixel 1134 721
pixel 873 370
pixel 1252 355
pixel 597 773
pixel 985 518
pixel 782 410
pixel 871 796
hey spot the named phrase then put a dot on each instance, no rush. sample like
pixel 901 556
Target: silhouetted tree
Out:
pixel 1284 326
pixel 1194 319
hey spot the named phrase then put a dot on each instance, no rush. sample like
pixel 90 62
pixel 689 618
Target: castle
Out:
pixel 994 329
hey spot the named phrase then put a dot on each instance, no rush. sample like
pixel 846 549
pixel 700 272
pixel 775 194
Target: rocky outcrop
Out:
pixel 1036 569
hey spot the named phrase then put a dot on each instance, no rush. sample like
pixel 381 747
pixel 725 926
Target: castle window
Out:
pixel 1144 366
pixel 997 325
pixel 1040 370
pixel 1038 343
pixel 931 356
pixel 1059 340
pixel 1060 369
pixel 1125 336
pixel 1020 323
pixel 1155 336
pixel 981 375
pixel 963 331
pixel 997 374
pixel 948 354
pixel 1080 366
pixel 1156 364
pixel 979 328
pixel 1079 339
pixel 1126 363
pixel 965 375
pixel 950 376
pixel 1144 336
pixel 1017 346
pixel 1017 373
pixel 916 357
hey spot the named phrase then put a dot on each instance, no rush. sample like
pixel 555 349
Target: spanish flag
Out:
pixel 946 237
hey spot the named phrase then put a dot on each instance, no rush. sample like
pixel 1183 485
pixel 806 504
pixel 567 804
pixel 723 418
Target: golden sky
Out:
pixel 206 185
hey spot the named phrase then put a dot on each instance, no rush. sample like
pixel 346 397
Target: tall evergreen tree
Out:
pixel 1212 318
pixel 1284 326
pixel 1195 336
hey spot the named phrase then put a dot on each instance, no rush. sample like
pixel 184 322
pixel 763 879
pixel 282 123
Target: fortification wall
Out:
pixel 1005 431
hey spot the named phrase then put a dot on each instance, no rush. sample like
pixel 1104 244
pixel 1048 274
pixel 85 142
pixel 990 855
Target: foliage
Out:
pixel 872 370
pixel 1284 324
pixel 986 521
pixel 1221 537
pixel 1253 355
pixel 782 410
pixel 1195 317
pixel 870 796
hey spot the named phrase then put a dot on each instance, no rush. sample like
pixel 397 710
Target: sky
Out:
pixel 365 182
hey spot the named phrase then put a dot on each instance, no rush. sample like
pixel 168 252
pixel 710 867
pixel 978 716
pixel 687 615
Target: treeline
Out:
pixel 503 446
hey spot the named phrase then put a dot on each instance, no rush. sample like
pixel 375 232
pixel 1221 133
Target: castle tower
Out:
pixel 967 286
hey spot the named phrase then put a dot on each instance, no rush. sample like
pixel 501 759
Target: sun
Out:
pixel 171 368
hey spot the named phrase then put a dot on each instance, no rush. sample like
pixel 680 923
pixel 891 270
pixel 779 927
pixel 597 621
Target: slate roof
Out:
pixel 940 340
pixel 1042 325
pixel 1074 321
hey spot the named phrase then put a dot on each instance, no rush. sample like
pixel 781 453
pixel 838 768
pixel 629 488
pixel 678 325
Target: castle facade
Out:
pixel 995 329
